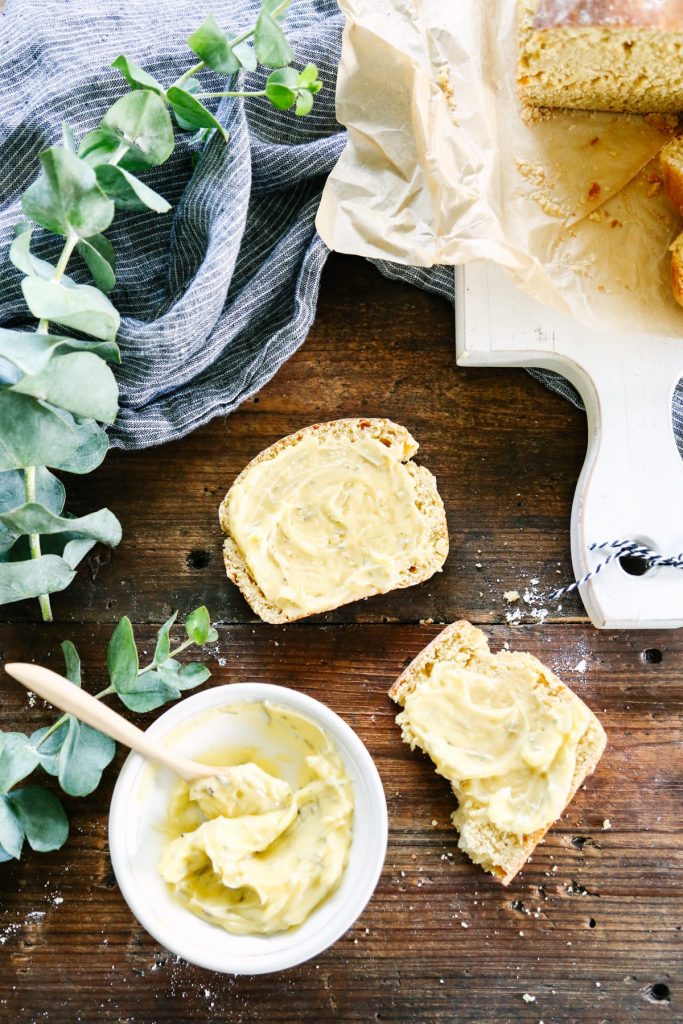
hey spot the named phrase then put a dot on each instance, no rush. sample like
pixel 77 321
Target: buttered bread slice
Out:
pixel 331 514
pixel 514 742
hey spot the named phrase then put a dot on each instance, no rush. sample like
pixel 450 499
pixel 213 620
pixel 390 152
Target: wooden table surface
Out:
pixel 591 931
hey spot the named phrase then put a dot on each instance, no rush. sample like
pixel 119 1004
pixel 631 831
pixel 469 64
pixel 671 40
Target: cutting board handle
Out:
pixel 631 485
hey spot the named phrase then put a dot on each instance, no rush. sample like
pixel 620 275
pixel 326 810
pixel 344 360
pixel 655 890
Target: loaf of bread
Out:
pixel 514 742
pixel 623 55
pixel 332 514
pixel 671 169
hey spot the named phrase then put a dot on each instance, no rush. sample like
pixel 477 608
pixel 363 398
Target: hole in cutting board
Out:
pixel 634 566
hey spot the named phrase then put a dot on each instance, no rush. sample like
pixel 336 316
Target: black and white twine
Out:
pixel 620 549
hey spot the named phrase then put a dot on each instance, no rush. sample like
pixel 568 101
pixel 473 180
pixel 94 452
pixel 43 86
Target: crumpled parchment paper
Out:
pixel 442 167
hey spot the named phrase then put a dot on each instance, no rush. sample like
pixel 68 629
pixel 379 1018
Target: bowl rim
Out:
pixel 331 928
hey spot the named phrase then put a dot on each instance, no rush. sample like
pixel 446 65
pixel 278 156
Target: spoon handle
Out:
pixel 64 695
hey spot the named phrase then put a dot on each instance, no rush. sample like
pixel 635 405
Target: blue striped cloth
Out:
pixel 218 293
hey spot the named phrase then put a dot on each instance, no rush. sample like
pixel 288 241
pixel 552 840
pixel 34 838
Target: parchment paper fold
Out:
pixel 442 167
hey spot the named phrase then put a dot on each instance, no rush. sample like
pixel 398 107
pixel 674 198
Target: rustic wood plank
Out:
pixel 506 453
pixel 409 958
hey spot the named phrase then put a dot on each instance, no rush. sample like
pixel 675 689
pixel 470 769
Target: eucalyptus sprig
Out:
pixel 75 753
pixel 58 391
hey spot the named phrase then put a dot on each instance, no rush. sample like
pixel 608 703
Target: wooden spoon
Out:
pixel 64 695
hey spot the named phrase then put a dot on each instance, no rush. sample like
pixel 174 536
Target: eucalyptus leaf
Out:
pixel 23 259
pixel 215 47
pixel 75 549
pixel 122 657
pixel 270 43
pixel 92 444
pixel 32 517
pixel 141 120
pixel 81 307
pixel 17 759
pixel 192 111
pixel 45 575
pixel 41 817
pixel 11 832
pixel 211 45
pixel 192 86
pixel 149 692
pixel 68 140
pixel 281 88
pixel 245 53
pixel 66 198
pixel 4 855
pixel 98 253
pixel 69 547
pixel 192 674
pixel 304 104
pixel 80 382
pixel 198 625
pixel 163 644
pixel 136 76
pixel 83 756
pixel 98 147
pixel 33 434
pixel 49 490
pixel 47 748
pixel 72 662
pixel 128 192
pixel 169 670
pixel 31 352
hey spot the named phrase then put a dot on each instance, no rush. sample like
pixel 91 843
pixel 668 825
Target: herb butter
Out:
pixel 510 754
pixel 329 520
pixel 249 850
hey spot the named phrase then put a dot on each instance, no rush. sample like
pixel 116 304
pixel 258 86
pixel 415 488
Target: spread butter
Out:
pixel 328 520
pixel 509 753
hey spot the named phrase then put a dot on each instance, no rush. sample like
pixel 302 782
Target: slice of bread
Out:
pixel 622 55
pixel 677 269
pixel 402 446
pixel 501 853
pixel 671 167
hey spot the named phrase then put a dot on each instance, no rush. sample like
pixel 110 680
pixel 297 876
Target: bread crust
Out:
pixel 394 436
pixel 467 645
pixel 677 269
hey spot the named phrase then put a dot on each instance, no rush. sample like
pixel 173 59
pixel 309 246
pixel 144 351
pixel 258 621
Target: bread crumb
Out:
pixel 434 823
pixel 528 998
pixel 464 924
pixel 582 666
pixel 511 596
pixel 606 825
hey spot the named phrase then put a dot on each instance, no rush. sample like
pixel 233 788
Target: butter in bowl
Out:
pixel 267 864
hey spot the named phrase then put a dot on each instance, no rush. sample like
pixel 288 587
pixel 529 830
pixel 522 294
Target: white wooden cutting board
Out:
pixel 631 485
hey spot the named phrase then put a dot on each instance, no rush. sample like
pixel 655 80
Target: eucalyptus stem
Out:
pixel 179 82
pixel 34 539
pixel 30 471
pixel 110 689
pixel 249 33
pixel 64 718
pixel 191 72
pixel 210 95
pixel 70 243
pixel 179 649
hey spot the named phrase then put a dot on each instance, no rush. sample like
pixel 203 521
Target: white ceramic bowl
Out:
pixel 140 804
